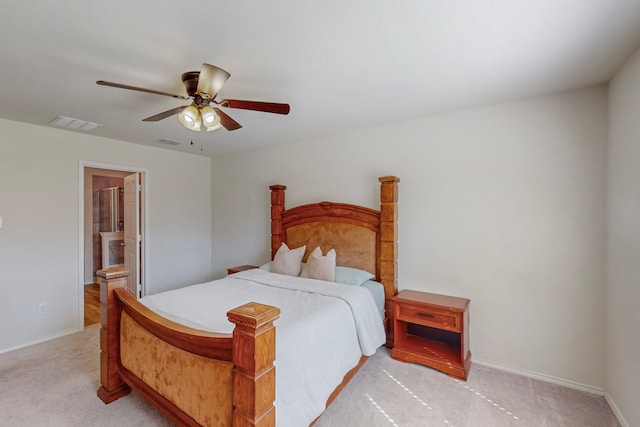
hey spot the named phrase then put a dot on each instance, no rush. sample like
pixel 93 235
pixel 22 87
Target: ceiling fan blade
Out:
pixel 267 107
pixel 140 89
pixel 164 115
pixel 227 122
pixel 210 81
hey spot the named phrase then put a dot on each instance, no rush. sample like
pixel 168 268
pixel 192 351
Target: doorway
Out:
pixel 104 215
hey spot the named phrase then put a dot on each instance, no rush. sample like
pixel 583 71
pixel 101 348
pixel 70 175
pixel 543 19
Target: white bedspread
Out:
pixel 323 330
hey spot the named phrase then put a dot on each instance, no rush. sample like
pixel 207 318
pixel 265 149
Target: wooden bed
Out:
pixel 199 378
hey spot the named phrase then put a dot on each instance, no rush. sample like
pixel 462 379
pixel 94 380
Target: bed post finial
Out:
pixel 277 207
pixel 254 376
pixel 388 260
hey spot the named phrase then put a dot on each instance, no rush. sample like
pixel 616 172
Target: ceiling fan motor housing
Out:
pixel 190 80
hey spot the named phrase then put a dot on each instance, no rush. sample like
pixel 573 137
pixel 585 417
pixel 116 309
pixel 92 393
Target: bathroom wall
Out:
pixel 95 180
pixel 102 207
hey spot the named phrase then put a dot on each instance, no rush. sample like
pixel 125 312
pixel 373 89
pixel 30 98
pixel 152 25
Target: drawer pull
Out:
pixel 429 315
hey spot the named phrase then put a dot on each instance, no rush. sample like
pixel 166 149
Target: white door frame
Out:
pixel 144 225
pixel 133 243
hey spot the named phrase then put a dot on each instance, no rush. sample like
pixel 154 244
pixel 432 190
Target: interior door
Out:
pixel 132 236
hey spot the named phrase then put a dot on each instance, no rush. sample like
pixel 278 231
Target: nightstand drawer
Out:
pixel 428 317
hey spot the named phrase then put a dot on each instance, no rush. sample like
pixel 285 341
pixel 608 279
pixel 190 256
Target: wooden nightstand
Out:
pixel 432 330
pixel 240 268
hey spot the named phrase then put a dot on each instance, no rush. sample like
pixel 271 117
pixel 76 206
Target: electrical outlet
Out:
pixel 43 309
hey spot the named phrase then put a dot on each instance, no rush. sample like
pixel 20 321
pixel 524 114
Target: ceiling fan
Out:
pixel 202 88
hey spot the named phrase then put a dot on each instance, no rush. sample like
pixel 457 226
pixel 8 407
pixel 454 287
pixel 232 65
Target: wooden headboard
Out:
pixel 363 238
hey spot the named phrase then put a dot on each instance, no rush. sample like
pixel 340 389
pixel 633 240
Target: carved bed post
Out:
pixel 254 376
pixel 277 206
pixel 388 267
pixel 111 387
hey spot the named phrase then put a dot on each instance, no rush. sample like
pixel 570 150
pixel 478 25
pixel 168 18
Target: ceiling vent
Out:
pixel 171 141
pixel 73 124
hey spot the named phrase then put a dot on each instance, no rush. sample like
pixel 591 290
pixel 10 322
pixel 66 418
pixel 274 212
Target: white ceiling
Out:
pixel 341 65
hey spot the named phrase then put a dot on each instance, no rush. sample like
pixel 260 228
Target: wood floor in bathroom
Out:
pixel 91 304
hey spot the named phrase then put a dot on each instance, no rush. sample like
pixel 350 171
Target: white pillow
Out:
pixel 320 267
pixel 287 261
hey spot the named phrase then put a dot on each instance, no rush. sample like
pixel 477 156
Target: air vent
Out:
pixel 171 141
pixel 73 124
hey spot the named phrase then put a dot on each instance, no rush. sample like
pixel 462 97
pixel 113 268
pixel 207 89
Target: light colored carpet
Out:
pixel 54 384
pixel 390 393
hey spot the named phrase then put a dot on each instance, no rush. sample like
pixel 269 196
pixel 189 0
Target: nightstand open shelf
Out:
pixel 432 330
pixel 432 348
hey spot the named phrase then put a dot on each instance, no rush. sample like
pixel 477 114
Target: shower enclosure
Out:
pixel 111 225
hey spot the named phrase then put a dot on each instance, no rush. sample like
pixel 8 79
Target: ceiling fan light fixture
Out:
pixel 190 118
pixel 210 119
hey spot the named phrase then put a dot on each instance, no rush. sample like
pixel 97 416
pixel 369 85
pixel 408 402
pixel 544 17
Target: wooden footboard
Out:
pixel 195 378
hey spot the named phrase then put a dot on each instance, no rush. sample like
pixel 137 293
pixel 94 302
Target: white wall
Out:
pixel 39 204
pixel 623 226
pixel 503 205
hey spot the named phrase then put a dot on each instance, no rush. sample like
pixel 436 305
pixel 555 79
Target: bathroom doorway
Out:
pixel 104 220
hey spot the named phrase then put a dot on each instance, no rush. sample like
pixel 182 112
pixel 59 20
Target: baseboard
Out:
pixel 61 334
pixel 542 377
pixel 616 410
